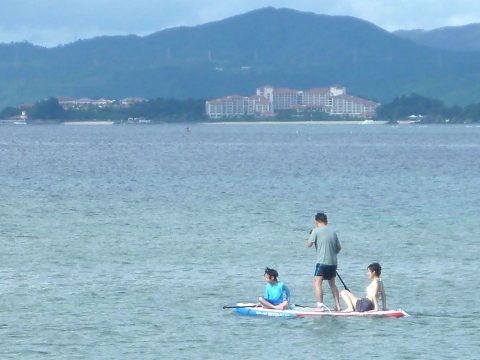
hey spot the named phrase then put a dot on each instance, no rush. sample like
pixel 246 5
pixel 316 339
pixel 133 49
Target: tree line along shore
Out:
pixel 407 107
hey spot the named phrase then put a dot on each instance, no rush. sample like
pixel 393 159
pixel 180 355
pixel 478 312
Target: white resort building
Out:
pixel 238 106
pixel 85 103
pixel 332 100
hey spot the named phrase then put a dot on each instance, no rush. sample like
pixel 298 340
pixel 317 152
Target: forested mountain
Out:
pixel 456 38
pixel 281 47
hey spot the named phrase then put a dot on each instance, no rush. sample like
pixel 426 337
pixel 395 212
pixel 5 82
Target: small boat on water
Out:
pixel 304 311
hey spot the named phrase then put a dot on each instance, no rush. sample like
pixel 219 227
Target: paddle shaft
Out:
pixel 303 306
pixel 345 286
pixel 237 306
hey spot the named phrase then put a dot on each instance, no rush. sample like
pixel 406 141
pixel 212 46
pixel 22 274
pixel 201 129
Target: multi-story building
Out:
pixel 352 106
pixel 129 101
pixel 280 98
pixel 317 97
pixel 266 92
pixel 285 98
pixel 228 106
pixel 332 100
pixel 83 103
pixel 238 106
pixel 260 106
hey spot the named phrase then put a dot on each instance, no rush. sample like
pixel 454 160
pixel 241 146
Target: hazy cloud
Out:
pixel 50 22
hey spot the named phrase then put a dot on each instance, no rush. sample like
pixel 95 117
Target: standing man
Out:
pixel 327 245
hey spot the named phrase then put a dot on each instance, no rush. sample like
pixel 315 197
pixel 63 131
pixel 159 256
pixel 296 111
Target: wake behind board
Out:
pixel 298 312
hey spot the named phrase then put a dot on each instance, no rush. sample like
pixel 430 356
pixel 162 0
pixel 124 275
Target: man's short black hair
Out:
pixel 321 217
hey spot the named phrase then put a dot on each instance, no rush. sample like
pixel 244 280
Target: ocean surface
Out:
pixel 124 242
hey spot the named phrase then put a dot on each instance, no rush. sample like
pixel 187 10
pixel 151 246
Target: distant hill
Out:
pixel 281 47
pixel 456 38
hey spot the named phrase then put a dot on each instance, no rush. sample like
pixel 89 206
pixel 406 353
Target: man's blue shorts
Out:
pixel 326 271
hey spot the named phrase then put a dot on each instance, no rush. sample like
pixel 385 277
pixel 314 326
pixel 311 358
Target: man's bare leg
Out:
pixel 317 286
pixel 334 289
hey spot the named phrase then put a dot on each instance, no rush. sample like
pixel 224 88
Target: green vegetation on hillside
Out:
pixel 281 47
pixel 430 110
pixel 9 111
pixel 191 110
pixel 165 110
pixel 456 38
pixel 48 109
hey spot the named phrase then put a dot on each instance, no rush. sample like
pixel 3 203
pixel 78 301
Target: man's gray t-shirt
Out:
pixel 326 243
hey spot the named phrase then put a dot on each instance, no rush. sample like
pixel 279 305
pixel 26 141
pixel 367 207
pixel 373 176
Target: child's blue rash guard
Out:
pixel 274 293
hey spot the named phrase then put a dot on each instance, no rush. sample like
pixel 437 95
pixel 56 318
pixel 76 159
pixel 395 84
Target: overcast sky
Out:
pixel 52 22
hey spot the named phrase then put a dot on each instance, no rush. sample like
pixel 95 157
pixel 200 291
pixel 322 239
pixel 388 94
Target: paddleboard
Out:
pixel 299 312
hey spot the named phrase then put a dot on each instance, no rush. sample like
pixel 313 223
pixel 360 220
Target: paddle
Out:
pixel 238 306
pixel 303 306
pixel 345 286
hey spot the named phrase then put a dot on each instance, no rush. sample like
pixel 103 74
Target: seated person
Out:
pixel 277 294
pixel 374 291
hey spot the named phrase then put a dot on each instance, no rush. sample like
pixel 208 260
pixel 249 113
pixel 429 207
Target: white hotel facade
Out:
pixel 238 106
pixel 332 100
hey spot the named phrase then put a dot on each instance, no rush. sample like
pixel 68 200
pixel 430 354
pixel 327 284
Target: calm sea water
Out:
pixel 125 242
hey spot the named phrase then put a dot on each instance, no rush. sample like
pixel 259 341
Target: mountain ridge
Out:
pixel 282 47
pixel 463 38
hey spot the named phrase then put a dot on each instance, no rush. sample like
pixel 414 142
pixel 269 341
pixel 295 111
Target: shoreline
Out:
pixel 243 122
pixel 312 122
pixel 104 122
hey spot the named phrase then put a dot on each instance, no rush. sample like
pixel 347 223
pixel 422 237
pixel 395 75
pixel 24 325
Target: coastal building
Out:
pixel 228 106
pixel 261 106
pixel 66 102
pixel 266 92
pixel 285 98
pixel 127 102
pixel 353 106
pixel 83 103
pixel 279 98
pixel 316 98
pixel 336 90
pixel 333 100
pixel 236 106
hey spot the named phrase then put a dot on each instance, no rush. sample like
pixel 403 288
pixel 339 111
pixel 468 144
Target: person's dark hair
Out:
pixel 321 217
pixel 376 268
pixel 271 272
